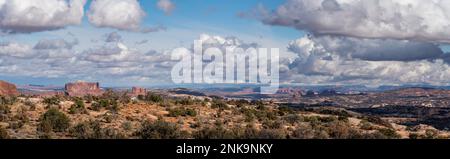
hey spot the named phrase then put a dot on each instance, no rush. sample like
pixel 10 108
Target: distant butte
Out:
pixel 136 91
pixel 80 89
pixel 8 89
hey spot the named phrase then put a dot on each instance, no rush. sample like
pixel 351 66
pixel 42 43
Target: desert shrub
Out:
pixel 313 120
pixel 431 134
pixel 365 125
pixel 176 112
pixel 5 109
pixel 4 134
pixel 160 130
pixel 16 124
pixel 248 114
pixel 265 114
pixel 215 132
pixel 124 99
pixel 342 130
pixel 328 119
pixel 112 133
pixel 152 97
pixel 93 130
pixel 378 120
pixel 343 118
pixel 292 118
pixel 185 101
pixel 272 134
pixel 283 110
pixel 306 131
pixel 19 120
pixel 7 100
pixel 273 124
pixel 414 136
pixel 77 107
pixel 89 98
pixel 110 95
pixel 342 113
pixel 83 131
pixel 52 101
pixel 28 103
pixel 53 120
pixel 220 104
pixel 127 126
pixel 389 133
pixel 109 104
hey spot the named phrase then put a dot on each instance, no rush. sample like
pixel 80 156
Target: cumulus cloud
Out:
pixel 55 44
pixel 329 62
pixel 166 5
pixel 119 14
pixel 15 50
pixel 403 20
pixel 58 59
pixel 366 49
pixel 113 37
pixel 27 16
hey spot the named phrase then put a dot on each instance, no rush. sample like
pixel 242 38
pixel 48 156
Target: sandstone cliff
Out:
pixel 80 89
pixel 8 89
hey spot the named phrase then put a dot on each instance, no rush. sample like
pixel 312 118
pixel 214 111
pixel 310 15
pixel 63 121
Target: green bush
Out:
pixel 378 120
pixel 77 107
pixel 93 130
pixel 54 120
pixel 4 109
pixel 52 101
pixel 109 104
pixel 4 134
pixel 292 118
pixel 185 101
pixel 29 104
pixel 389 133
pixel 160 130
pixel 176 112
pixel 215 132
pixel 7 100
pixel 217 103
pixel 154 98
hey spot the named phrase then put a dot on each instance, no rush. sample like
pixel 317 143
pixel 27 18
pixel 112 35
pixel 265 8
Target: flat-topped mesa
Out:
pixel 8 89
pixel 136 91
pixel 81 89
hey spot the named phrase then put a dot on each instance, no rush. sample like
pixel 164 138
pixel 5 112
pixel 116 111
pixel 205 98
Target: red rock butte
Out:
pixel 8 89
pixel 136 91
pixel 80 89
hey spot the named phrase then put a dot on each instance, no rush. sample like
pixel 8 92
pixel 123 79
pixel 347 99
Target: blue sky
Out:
pixel 184 24
pixel 55 43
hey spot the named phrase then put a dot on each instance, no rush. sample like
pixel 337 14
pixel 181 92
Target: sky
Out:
pixel 129 42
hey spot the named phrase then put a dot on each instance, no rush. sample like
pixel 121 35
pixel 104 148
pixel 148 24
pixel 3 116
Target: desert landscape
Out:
pixel 86 111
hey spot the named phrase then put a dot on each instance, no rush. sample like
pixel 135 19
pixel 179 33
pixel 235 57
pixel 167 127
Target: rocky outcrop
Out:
pixel 8 89
pixel 80 89
pixel 136 91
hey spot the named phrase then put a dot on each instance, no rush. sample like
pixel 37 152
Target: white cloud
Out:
pixel 406 19
pixel 15 50
pixel 367 49
pixel 113 37
pixel 324 65
pixel 119 14
pixel 166 5
pixel 26 16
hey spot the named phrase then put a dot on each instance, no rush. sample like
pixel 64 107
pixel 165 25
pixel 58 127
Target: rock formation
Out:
pixel 8 89
pixel 136 91
pixel 80 89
